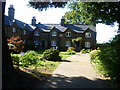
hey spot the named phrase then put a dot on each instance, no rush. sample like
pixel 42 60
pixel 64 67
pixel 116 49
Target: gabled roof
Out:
pixel 20 24
pixel 59 28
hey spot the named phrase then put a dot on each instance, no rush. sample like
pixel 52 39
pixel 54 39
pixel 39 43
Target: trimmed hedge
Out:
pixel 51 54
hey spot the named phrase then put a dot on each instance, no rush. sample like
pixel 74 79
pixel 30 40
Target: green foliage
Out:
pixel 51 54
pixel 108 59
pixel 29 58
pixel 44 5
pixel 71 51
pixel 15 58
pixel 76 40
pixel 85 51
pixel 92 13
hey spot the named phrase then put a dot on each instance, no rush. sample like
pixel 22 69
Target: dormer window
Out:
pixel 14 29
pixel 36 42
pixel 68 34
pixel 68 44
pixel 54 33
pixel 88 35
pixel 24 32
pixel 53 43
pixel 36 33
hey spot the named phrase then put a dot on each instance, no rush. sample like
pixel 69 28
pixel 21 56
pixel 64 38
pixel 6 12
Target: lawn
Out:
pixel 39 72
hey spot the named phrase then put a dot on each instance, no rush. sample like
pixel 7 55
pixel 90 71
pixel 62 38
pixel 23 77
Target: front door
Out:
pixel 77 46
pixel 43 44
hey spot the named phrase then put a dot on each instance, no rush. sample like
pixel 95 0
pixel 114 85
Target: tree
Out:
pixel 45 5
pixel 93 13
pixel 15 44
pixel 10 76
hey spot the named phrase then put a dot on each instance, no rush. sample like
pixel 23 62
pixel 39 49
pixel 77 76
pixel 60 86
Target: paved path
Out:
pixel 76 72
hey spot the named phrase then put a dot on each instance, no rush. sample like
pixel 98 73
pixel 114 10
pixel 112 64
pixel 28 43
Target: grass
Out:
pixel 42 70
pixel 64 55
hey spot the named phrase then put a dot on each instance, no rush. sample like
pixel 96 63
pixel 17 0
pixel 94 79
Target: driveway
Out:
pixel 76 72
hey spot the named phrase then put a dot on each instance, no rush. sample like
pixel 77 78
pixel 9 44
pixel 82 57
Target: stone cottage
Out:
pixel 44 36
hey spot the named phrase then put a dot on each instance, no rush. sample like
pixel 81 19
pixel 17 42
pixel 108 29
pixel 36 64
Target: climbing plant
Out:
pixel 76 40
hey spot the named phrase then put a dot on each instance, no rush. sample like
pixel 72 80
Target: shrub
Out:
pixel 15 58
pixel 94 55
pixel 71 51
pixel 108 59
pixel 15 44
pixel 51 54
pixel 29 58
pixel 85 51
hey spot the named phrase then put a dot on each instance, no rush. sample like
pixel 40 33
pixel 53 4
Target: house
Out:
pixel 44 36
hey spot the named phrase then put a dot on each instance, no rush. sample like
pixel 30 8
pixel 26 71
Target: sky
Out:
pixel 53 16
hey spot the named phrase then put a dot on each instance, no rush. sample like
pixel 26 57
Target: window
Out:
pixel 68 34
pixel 36 33
pixel 88 35
pixel 68 44
pixel 24 32
pixel 14 29
pixel 36 42
pixel 54 33
pixel 87 44
pixel 53 43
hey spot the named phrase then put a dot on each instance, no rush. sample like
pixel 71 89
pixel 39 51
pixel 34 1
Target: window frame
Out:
pixel 36 33
pixel 54 33
pixel 13 29
pixel 36 42
pixel 67 43
pixel 87 44
pixel 24 32
pixel 68 34
pixel 53 43
pixel 88 36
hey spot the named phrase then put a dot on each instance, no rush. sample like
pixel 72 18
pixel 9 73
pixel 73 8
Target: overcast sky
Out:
pixel 53 16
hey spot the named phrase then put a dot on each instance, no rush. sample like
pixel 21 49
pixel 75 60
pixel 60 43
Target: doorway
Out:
pixel 77 46
pixel 43 44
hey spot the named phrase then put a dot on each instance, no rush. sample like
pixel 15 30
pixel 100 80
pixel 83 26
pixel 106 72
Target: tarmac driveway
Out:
pixel 76 72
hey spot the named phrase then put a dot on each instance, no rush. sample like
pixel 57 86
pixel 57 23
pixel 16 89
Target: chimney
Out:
pixel 11 12
pixel 62 21
pixel 34 20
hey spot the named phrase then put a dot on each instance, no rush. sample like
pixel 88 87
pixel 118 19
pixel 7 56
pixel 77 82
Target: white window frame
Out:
pixel 36 33
pixel 54 33
pixel 36 42
pixel 88 35
pixel 24 32
pixel 53 43
pixel 68 34
pixel 87 44
pixel 13 29
pixel 67 43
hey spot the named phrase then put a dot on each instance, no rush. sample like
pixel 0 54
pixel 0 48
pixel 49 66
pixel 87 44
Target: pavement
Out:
pixel 76 72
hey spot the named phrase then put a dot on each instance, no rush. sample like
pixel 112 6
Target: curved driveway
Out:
pixel 76 72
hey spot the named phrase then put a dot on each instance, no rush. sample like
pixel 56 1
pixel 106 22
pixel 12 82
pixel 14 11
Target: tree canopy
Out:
pixel 93 13
pixel 45 5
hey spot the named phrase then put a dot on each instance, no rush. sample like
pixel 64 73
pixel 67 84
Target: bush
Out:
pixel 29 58
pixel 71 51
pixel 15 58
pixel 51 54
pixel 108 59
pixel 85 51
